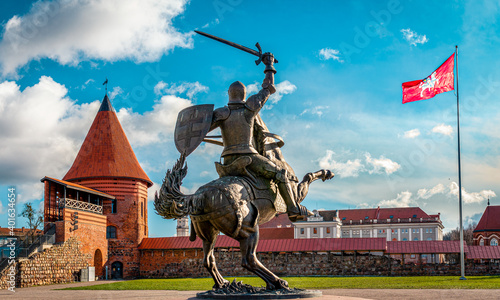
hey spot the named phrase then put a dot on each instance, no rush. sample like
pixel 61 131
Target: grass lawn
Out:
pixel 417 282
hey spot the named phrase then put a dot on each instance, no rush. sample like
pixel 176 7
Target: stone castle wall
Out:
pixel 188 264
pixel 59 264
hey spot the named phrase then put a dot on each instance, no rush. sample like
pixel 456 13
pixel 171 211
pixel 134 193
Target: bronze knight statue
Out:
pixel 253 176
pixel 237 121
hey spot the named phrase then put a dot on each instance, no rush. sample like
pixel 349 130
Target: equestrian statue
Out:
pixel 255 182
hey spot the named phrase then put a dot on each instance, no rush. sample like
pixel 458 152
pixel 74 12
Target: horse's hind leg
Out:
pixel 303 186
pixel 250 262
pixel 208 235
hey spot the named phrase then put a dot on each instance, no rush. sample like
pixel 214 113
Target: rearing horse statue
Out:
pixel 254 179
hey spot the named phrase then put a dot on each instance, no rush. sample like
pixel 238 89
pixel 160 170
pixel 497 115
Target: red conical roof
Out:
pixel 490 221
pixel 106 151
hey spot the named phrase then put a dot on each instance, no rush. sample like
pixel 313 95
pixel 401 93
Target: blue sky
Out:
pixel 338 105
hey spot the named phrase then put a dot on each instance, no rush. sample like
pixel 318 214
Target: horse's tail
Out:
pixel 171 203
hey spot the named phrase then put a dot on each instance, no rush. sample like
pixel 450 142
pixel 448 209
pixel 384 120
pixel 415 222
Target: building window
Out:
pixel 366 218
pixel 301 230
pixel 494 242
pixel 415 239
pixel 414 230
pixel 391 217
pixel 481 242
pixel 113 206
pixel 405 239
pixel 327 229
pixel 414 216
pixel 142 209
pixel 429 239
pixel 315 230
pixel 430 230
pixel 111 232
pixel 412 256
pixel 426 230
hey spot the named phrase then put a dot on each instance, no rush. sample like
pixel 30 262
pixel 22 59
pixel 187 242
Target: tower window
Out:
pixel 113 206
pixel 315 230
pixel 142 209
pixel 327 229
pixel 111 232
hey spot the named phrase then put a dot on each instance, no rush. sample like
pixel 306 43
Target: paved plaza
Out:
pixel 52 292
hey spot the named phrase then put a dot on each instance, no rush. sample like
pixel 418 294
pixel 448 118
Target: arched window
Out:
pixel 481 242
pixel 493 242
pixel 111 232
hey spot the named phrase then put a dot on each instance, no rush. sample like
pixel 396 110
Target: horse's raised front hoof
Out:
pixel 220 285
pixel 278 285
pixel 327 175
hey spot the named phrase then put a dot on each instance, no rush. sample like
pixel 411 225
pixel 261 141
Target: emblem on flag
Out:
pixel 440 81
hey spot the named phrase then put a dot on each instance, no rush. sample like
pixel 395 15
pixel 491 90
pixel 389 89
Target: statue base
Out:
pixel 239 290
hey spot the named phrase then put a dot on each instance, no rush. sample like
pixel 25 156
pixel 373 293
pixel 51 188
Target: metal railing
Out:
pixel 391 221
pixel 80 205
pixel 25 248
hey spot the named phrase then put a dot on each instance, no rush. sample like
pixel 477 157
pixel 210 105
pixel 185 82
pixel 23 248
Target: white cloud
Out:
pixel 327 53
pixel 188 88
pixel 411 134
pixel 353 168
pixel 71 31
pixel 115 92
pixel 381 164
pixel 43 129
pixel 452 190
pixel 152 126
pixel 414 38
pixel 474 197
pixel 443 129
pixel 402 200
pixel 282 88
pixel 317 110
pixel 347 169
pixel 426 194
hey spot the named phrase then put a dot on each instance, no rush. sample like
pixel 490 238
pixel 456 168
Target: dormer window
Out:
pixel 366 218
pixel 391 217
pixel 414 216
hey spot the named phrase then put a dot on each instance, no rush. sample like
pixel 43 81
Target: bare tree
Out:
pixel 454 235
pixel 35 219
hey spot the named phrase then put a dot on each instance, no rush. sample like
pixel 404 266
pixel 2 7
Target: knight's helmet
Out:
pixel 237 92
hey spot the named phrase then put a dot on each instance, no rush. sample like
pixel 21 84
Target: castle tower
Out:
pixel 107 163
pixel 183 226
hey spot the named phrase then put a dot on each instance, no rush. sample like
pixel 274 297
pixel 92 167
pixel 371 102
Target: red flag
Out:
pixel 440 81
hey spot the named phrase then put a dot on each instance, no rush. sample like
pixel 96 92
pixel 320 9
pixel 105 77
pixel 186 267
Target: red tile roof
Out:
pixel 490 221
pixel 276 233
pixel 382 213
pixel 280 220
pixel 423 247
pixel 5 231
pixel 287 245
pixel 106 151
pixel 483 252
pixel 77 187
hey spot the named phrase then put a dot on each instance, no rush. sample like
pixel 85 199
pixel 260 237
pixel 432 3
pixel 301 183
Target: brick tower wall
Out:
pixel 91 234
pixel 130 219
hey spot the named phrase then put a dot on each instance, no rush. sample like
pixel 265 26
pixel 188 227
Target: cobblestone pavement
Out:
pixel 51 292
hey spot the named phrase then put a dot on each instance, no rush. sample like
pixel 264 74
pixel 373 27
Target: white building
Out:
pixel 394 224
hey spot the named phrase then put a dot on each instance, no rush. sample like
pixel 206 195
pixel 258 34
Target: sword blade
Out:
pixel 237 46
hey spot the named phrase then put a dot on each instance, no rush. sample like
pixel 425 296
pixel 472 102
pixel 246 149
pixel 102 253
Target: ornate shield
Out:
pixel 192 126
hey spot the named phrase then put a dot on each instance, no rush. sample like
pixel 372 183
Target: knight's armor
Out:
pixel 236 121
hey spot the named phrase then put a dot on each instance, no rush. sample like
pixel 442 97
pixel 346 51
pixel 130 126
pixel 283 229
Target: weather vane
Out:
pixel 105 83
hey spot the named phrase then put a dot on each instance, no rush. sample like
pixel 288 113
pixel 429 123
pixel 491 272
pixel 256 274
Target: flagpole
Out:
pixel 462 258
